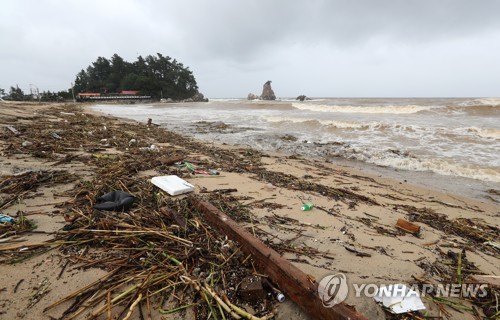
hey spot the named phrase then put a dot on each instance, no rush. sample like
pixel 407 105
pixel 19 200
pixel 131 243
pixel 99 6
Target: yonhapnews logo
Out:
pixel 333 289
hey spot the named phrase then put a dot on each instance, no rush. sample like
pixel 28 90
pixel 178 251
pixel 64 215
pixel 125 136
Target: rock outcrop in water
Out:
pixel 302 98
pixel 252 96
pixel 267 92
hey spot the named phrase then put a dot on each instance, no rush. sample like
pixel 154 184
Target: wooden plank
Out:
pixel 407 226
pixel 294 283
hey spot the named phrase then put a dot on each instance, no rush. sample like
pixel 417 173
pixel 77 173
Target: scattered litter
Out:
pixel 275 291
pixel 251 289
pixel 357 252
pixel 173 185
pixel 115 201
pixel 27 143
pixel 398 298
pixel 408 226
pixel 491 281
pixel 269 187
pixel 13 130
pixel 55 135
pixel 307 206
pixel 6 219
pixel 493 244
pixel 189 166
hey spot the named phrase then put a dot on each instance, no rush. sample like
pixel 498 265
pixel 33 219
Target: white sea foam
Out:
pixel 440 166
pixel 394 109
pixel 333 123
pixel 485 133
pixel 458 137
pixel 489 101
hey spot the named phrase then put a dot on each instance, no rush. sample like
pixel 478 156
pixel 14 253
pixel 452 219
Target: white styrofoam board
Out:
pixel 173 185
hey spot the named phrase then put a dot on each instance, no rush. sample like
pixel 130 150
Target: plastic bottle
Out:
pixel 307 206
pixel 275 291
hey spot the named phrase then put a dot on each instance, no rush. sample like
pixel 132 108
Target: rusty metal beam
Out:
pixel 295 283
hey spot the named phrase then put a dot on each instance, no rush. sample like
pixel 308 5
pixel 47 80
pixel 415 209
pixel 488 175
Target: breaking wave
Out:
pixel 436 165
pixel 393 109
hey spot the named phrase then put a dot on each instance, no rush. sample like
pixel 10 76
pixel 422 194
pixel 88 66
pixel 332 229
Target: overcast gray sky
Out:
pixel 347 48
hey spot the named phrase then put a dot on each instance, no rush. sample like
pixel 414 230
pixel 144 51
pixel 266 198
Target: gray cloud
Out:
pixel 319 48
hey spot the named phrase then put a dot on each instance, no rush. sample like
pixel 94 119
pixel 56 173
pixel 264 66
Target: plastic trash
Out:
pixel 55 135
pixel 6 219
pixel 269 187
pixel 276 292
pixel 307 206
pixel 189 166
pixel 173 185
pixel 399 299
pixel 115 201
pixel 214 172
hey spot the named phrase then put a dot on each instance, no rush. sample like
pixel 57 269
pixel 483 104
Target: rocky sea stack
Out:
pixel 267 92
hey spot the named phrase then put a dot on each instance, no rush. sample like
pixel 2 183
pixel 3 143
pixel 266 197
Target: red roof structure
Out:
pixel 130 92
pixel 88 94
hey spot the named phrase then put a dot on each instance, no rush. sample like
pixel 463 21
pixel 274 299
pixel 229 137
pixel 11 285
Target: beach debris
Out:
pixel 55 135
pixel 210 172
pixel 143 245
pixel 251 289
pixel 32 180
pixel 41 290
pixel 491 280
pixel 493 244
pixel 172 184
pixel 474 230
pixel 398 298
pixel 6 219
pixel 220 191
pixel 278 295
pixel 153 263
pixel 116 200
pixel 27 144
pixel 14 226
pixel 408 226
pixel 357 252
pixel 195 170
pixel 307 206
pixel 269 187
pixel 296 284
pixel 13 130
pixel 176 216
pixel 284 180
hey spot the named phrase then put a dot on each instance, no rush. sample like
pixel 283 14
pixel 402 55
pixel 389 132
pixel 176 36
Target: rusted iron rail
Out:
pixel 295 283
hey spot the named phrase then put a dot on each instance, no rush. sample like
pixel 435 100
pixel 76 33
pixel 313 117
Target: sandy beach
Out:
pixel 351 229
